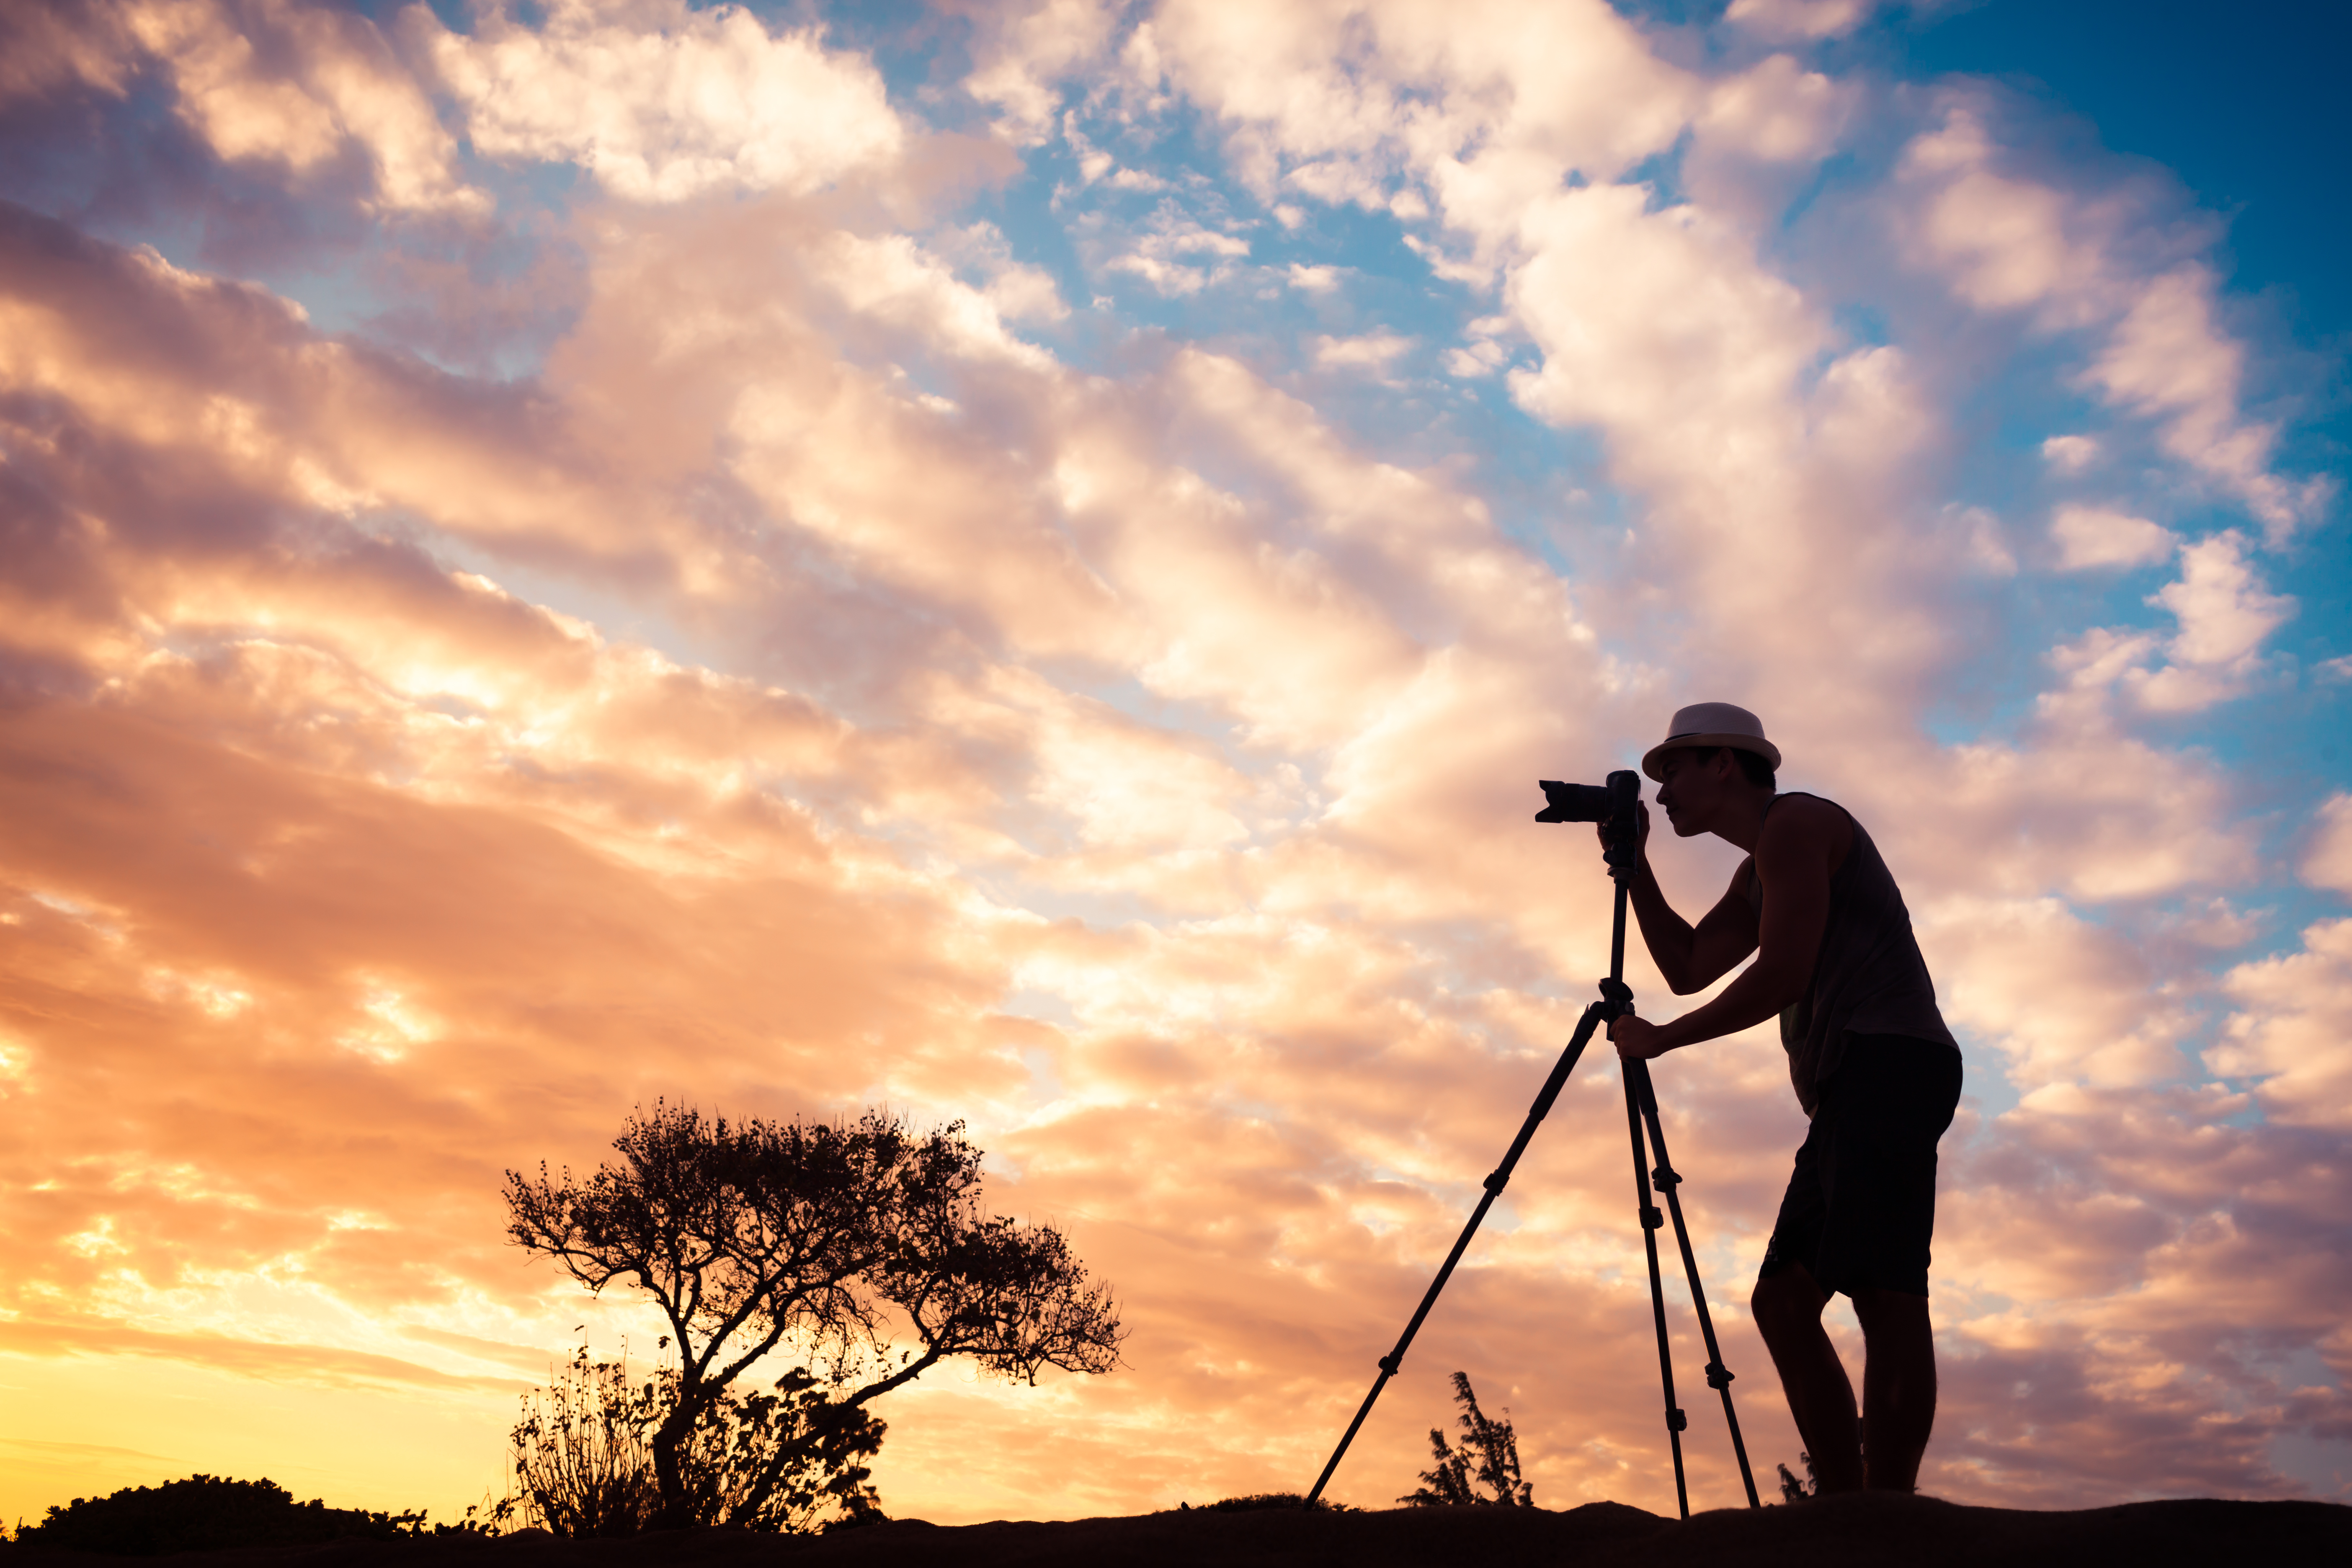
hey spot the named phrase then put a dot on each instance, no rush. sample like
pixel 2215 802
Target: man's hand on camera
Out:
pixel 1640 832
pixel 1637 1040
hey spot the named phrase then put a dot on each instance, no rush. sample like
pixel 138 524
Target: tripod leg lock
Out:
pixel 1717 1376
pixel 1666 1178
pixel 1390 1362
pixel 1496 1180
pixel 1616 999
pixel 1677 1421
pixel 1652 1218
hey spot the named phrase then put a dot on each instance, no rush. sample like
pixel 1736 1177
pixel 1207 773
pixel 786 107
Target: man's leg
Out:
pixel 1788 1307
pixel 1898 1384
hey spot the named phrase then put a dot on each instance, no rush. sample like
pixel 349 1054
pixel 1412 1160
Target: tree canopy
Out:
pixel 861 1245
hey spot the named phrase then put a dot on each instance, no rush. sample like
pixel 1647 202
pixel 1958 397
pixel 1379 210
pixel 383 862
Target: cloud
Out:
pixel 2090 536
pixel 2293 1030
pixel 1022 52
pixel 1161 254
pixel 2070 454
pixel 2008 242
pixel 2328 861
pixel 1372 351
pixel 1780 21
pixel 662 102
pixel 2222 609
pixel 277 84
pixel 1479 102
pixel 2225 613
pixel 2066 1002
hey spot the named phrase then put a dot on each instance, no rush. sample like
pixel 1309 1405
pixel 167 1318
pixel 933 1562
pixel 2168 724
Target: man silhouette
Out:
pixel 1873 1066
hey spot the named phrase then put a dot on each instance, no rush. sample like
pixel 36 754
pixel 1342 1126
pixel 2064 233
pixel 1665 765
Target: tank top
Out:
pixel 1869 978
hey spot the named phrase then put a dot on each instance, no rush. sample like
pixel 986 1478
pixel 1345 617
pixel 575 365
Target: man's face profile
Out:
pixel 1690 791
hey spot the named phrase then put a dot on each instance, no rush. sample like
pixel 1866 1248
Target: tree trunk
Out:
pixel 676 1510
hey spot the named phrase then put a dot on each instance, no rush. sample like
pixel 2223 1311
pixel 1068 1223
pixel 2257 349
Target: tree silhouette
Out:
pixel 861 1243
pixel 1496 1450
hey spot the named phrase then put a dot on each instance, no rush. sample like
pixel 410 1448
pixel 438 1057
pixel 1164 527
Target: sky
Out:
pixel 1020 564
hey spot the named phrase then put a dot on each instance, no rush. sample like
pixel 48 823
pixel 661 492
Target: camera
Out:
pixel 1591 803
pixel 1611 804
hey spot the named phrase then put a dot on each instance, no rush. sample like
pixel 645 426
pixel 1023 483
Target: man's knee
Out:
pixel 1785 1300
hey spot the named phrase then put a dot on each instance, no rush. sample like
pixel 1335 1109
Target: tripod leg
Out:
pixel 1651 1221
pixel 1667 1180
pixel 1499 1178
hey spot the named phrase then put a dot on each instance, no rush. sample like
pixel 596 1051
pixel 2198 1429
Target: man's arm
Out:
pixel 1793 860
pixel 1691 958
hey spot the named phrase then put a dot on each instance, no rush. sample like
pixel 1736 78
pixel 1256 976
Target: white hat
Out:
pixel 1712 724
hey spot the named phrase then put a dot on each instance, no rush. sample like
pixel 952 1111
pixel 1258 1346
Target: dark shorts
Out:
pixel 1861 1206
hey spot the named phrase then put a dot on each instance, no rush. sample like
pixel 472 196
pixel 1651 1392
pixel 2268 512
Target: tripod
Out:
pixel 1618 831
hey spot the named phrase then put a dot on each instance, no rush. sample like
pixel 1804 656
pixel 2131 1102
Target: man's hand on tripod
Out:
pixel 1638 1039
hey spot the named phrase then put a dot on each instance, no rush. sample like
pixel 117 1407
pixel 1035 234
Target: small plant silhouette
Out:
pixel 1794 1490
pixel 1488 1444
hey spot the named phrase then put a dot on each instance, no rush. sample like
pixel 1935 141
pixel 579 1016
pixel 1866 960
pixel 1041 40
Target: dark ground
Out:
pixel 1905 1532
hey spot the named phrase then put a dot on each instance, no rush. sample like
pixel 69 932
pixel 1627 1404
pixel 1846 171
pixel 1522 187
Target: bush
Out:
pixel 208 1513
pixel 1488 1442
pixel 784 1461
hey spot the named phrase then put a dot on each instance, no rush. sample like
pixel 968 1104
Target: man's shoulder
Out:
pixel 1798 822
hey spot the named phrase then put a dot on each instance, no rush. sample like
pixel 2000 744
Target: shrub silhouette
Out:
pixel 778 1460
pixel 208 1513
pixel 1494 1447
pixel 844 1240
pixel 1794 1490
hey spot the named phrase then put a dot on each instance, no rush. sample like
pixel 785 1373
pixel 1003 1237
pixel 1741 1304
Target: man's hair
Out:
pixel 1753 766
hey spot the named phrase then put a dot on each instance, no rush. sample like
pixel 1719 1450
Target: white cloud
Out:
pixel 2006 242
pixel 2224 611
pixel 2295 1030
pixel 2090 536
pixel 1488 94
pixel 1372 351
pixel 1158 256
pixel 894 279
pixel 2064 1000
pixel 1774 113
pixel 1020 54
pixel 2070 454
pixel 2328 861
pixel 1789 21
pixel 2223 606
pixel 661 102
pixel 278 83
pixel 1482 356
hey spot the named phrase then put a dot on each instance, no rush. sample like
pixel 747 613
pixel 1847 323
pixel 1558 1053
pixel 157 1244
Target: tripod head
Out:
pixel 1611 804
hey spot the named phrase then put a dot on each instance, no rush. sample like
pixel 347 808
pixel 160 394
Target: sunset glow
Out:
pixel 1020 562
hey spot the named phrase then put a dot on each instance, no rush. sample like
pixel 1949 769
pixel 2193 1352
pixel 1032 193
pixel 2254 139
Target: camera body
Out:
pixel 1611 804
